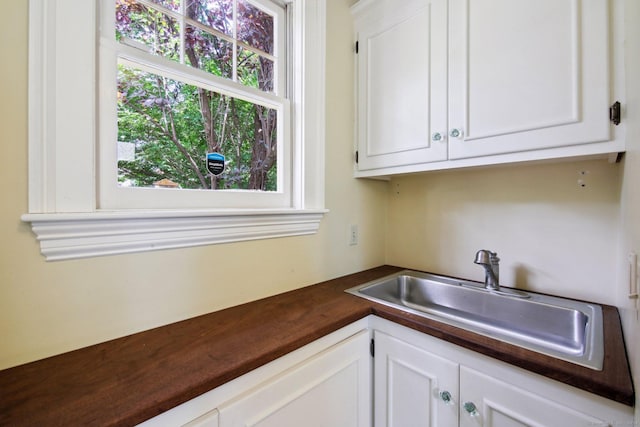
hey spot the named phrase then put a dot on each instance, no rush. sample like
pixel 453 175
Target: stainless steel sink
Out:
pixel 562 328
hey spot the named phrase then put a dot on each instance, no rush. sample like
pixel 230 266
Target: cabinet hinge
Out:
pixel 357 46
pixel 372 348
pixel 614 113
pixel 356 156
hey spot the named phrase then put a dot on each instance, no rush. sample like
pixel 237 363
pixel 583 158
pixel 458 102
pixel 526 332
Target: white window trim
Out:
pixel 112 196
pixel 62 148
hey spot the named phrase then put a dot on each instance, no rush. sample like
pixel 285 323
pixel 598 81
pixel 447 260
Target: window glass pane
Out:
pixel 255 27
pixel 255 70
pixel 170 127
pixel 208 52
pixel 217 14
pixel 169 4
pixel 147 27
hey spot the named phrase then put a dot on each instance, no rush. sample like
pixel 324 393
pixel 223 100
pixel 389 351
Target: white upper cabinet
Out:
pixel 445 84
pixel 402 83
pixel 527 75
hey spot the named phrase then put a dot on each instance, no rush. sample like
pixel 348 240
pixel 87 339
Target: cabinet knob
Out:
pixel 437 137
pixel 446 397
pixel 470 408
pixel 455 133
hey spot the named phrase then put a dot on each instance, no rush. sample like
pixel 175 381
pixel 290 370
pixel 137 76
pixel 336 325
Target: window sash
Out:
pixel 111 196
pixel 273 7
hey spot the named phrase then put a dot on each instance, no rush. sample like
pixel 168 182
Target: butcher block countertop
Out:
pixel 131 379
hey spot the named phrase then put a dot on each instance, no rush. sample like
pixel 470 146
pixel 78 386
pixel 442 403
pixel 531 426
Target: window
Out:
pixel 131 125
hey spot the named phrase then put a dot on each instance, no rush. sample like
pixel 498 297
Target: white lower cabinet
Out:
pixel 490 402
pixel 413 380
pixel 331 389
pixel 408 383
pixel 326 383
pixel 420 380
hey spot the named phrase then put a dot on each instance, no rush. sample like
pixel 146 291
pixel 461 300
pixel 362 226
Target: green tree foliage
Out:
pixel 174 124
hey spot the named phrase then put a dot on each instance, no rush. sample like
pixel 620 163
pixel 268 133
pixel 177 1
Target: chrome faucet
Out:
pixel 490 261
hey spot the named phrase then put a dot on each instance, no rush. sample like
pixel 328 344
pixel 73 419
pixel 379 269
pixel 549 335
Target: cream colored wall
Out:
pixel 551 234
pixel 51 307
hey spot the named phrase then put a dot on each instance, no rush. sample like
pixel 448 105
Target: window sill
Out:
pixel 82 235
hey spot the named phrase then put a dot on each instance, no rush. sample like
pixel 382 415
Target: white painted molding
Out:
pixel 83 235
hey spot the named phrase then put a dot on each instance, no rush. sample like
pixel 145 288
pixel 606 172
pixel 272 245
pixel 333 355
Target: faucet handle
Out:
pixel 483 256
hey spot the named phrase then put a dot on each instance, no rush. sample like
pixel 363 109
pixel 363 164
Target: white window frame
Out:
pixel 112 196
pixel 63 127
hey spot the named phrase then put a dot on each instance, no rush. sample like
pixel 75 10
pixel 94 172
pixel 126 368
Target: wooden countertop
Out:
pixel 131 379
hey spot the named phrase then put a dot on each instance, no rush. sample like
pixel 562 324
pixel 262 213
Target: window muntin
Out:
pixel 221 74
pixel 236 36
pixel 148 29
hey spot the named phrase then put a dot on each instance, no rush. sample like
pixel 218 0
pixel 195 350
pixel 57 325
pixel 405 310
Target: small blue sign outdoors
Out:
pixel 215 163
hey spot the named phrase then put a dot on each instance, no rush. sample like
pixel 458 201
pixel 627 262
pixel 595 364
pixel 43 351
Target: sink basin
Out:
pixel 565 329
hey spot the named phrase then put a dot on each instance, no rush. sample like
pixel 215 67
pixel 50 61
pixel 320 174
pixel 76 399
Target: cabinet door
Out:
pixel 330 389
pixel 499 404
pixel 527 75
pixel 402 67
pixel 210 419
pixel 409 383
